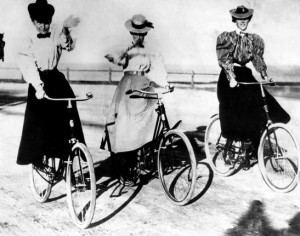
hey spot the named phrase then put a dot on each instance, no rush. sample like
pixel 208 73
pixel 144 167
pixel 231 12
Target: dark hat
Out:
pixel 241 12
pixel 138 24
pixel 41 11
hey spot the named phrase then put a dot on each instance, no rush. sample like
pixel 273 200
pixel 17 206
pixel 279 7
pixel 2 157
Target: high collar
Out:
pixel 240 32
pixel 138 45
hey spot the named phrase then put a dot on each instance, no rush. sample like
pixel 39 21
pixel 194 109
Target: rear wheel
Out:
pixel 221 153
pixel 177 167
pixel 81 186
pixel 41 181
pixel 278 158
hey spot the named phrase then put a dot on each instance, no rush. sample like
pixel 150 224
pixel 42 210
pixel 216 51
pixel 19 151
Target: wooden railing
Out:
pixel 112 76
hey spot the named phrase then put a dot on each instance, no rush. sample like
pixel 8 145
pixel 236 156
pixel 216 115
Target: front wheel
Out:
pixel 278 158
pixel 220 152
pixel 41 181
pixel 177 167
pixel 81 186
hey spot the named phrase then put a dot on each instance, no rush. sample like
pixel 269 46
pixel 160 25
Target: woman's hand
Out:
pixel 40 93
pixel 268 79
pixel 71 21
pixel 233 83
pixel 109 57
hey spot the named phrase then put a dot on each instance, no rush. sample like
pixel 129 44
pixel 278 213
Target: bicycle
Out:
pixel 176 162
pixel 78 171
pixel 277 155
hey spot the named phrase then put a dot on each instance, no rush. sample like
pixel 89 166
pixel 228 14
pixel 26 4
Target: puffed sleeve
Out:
pixel 225 48
pixel 158 73
pixel 26 62
pixel 258 59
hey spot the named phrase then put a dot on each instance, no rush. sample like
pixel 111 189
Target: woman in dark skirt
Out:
pixel 240 107
pixel 46 124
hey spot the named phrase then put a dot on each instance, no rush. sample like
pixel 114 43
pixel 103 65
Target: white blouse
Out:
pixel 141 59
pixel 42 54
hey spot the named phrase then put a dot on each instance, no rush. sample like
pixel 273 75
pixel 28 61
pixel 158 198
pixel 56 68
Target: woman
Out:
pixel 240 107
pixel 46 128
pixel 134 119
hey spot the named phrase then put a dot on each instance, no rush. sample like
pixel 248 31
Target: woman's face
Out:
pixel 242 24
pixel 42 28
pixel 138 39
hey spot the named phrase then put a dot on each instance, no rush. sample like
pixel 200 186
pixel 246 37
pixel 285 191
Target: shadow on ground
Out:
pixel 105 170
pixel 8 98
pixel 255 222
pixel 204 172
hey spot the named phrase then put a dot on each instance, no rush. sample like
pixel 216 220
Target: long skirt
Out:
pixel 46 128
pixel 241 108
pixel 134 118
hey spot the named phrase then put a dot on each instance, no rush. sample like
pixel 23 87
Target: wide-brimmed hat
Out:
pixel 41 11
pixel 138 24
pixel 241 12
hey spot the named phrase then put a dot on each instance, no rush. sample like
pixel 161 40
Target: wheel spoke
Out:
pixel 279 159
pixel 41 182
pixel 219 151
pixel 81 187
pixel 177 167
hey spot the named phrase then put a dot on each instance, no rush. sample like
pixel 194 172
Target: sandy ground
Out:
pixel 238 205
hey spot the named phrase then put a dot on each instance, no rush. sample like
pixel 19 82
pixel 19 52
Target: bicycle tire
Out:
pixel 216 150
pixel 278 158
pixel 40 183
pixel 81 186
pixel 177 169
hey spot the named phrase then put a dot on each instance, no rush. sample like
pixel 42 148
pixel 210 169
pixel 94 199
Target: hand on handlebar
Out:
pixel 169 88
pixel 233 83
pixel 40 93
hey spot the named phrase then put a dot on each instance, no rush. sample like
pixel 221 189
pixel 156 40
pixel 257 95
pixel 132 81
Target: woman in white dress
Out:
pixel 134 119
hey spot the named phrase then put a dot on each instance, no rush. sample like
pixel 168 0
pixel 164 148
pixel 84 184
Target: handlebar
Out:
pixel 88 96
pixel 272 83
pixel 130 91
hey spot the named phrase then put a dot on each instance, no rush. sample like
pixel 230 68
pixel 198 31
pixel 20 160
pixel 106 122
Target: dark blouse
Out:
pixel 240 49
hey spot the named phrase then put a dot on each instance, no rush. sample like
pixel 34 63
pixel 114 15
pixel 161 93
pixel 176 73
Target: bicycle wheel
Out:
pixel 220 152
pixel 177 167
pixel 40 182
pixel 278 158
pixel 81 186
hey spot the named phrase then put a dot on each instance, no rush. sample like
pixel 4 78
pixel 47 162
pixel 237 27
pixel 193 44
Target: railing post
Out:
pixel 109 75
pixel 192 81
pixel 68 74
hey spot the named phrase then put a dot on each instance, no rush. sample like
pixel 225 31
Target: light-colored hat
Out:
pixel 241 12
pixel 138 24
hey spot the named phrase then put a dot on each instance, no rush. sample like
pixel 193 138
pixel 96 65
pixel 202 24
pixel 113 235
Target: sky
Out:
pixel 185 31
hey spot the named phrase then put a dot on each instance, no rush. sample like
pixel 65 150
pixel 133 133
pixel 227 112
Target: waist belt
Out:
pixel 239 65
pixel 134 72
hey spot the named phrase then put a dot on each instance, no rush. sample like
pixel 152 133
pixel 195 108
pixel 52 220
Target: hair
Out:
pixel 248 18
pixel 142 34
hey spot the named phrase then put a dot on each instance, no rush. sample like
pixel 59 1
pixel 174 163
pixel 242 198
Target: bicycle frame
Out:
pixel 73 140
pixel 265 107
pixel 162 124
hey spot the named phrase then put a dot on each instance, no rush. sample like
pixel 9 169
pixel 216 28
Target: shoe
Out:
pixel 252 153
pixel 129 177
pixel 246 164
